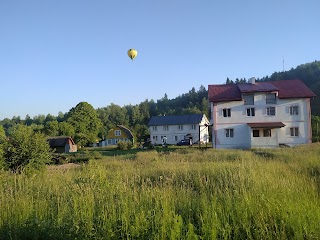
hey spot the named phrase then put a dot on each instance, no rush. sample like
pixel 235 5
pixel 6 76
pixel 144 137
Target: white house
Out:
pixel 260 114
pixel 175 128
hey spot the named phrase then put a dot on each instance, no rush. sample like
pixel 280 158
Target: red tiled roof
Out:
pixel 266 125
pixel 233 92
pixel 293 89
pixel 225 92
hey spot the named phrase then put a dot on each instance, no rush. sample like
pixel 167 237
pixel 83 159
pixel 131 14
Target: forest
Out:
pixel 87 125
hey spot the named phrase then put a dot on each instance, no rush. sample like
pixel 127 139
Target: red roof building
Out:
pixel 260 114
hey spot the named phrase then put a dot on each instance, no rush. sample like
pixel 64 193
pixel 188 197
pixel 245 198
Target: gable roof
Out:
pixel 127 130
pixel 59 141
pixel 293 89
pixel 233 92
pixel 175 119
pixel 224 92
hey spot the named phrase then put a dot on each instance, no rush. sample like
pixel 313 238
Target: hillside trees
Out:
pixel 25 150
pixel 86 123
pixel 2 141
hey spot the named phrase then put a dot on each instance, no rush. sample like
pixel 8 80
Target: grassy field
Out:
pixel 181 193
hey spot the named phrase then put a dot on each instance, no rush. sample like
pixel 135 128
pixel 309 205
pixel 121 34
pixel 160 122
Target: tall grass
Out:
pixel 185 194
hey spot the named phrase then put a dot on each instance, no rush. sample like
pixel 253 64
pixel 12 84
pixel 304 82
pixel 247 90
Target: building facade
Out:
pixel 175 128
pixel 260 114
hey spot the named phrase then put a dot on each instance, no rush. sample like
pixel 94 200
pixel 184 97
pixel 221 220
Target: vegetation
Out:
pixel 25 150
pixel 184 194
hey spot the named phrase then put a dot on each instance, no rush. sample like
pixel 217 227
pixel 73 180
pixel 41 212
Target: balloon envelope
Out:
pixel 132 53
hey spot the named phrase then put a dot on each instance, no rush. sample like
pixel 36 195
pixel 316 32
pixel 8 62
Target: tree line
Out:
pixel 87 125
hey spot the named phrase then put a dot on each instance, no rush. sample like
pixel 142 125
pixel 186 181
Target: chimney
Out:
pixel 252 80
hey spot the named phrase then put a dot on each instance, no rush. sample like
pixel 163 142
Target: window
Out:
pixel 154 128
pixel 271 98
pixel 193 126
pixel 166 128
pixel 271 111
pixel 180 127
pixel 117 132
pixel 256 133
pixel 176 138
pixel 248 99
pixel 155 138
pixel 267 132
pixel 294 132
pixel 250 112
pixel 229 132
pixel 294 110
pixel 226 112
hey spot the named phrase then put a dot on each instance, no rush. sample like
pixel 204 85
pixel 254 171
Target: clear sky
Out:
pixel 57 53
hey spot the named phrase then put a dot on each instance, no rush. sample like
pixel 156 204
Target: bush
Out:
pixel 124 145
pixel 25 150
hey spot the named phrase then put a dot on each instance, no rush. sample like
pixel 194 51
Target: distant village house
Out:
pixel 116 134
pixel 62 144
pixel 175 128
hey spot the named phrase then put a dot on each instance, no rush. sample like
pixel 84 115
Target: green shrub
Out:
pixel 124 145
pixel 26 150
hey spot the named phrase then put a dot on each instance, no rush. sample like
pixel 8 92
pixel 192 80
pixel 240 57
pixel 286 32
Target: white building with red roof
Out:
pixel 260 114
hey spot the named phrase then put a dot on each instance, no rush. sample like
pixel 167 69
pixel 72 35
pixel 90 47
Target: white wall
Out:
pixel 173 131
pixel 243 133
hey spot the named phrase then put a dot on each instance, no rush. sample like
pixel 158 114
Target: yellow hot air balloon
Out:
pixel 132 53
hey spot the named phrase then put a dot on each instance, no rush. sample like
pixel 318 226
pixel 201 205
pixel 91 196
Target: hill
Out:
pixel 309 73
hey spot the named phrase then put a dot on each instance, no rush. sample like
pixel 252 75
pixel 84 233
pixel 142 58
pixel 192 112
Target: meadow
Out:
pixel 184 193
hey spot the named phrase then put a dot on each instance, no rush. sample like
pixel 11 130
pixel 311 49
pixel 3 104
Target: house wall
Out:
pixel 112 139
pixel 174 134
pixel 243 133
pixel 70 147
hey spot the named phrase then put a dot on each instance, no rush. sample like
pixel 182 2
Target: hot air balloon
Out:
pixel 132 53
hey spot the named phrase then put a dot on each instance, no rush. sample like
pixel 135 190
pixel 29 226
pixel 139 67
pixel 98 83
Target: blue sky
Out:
pixel 57 53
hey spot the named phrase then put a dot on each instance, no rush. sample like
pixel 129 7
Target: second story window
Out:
pixel 166 128
pixel 180 127
pixel 294 110
pixel 248 99
pixel 117 132
pixel 250 112
pixel 154 128
pixel 271 111
pixel 193 126
pixel 271 98
pixel 226 112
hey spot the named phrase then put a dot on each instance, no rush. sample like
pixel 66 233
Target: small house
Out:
pixel 62 144
pixel 116 134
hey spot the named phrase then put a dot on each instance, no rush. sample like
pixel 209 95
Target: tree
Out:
pixel 2 142
pixel 52 128
pixel 26 150
pixel 118 115
pixel 86 123
pixel 66 129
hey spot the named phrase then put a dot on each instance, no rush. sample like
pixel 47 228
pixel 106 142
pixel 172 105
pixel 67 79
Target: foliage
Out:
pixel 26 150
pixel 124 145
pixel 2 142
pixel 86 123
pixel 191 194
pixel 315 123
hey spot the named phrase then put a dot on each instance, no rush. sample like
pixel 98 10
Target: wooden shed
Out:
pixel 62 144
